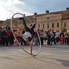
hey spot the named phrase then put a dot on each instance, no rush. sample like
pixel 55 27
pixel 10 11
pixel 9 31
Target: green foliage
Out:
pixel 63 28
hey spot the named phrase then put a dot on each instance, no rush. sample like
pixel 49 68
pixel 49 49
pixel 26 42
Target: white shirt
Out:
pixel 51 33
pixel 57 35
pixel 26 35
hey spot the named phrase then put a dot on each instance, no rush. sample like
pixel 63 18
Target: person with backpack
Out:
pixel 9 35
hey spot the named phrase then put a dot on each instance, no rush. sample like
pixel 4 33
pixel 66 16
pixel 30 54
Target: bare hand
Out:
pixel 13 32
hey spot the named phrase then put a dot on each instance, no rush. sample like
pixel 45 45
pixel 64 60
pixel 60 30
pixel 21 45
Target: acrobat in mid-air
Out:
pixel 28 35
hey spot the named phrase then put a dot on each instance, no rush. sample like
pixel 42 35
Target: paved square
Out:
pixel 50 57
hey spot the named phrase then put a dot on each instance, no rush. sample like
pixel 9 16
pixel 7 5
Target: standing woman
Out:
pixel 42 36
pixel 57 36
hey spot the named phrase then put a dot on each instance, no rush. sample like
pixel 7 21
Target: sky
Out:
pixel 29 7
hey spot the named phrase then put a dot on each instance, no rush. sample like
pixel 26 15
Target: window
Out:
pixel 48 18
pixel 38 25
pixel 47 25
pixel 52 25
pixel 43 26
pixel 67 15
pixel 57 24
pixel 64 24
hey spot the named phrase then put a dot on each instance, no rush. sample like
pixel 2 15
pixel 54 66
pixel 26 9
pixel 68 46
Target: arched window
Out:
pixel 47 25
pixel 52 25
pixel 38 25
pixel 43 26
pixel 48 18
pixel 64 24
pixel 57 24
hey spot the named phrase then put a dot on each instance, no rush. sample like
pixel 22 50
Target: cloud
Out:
pixel 12 2
pixel 27 7
pixel 8 8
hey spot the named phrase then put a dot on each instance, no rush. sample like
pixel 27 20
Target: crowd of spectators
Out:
pixel 49 37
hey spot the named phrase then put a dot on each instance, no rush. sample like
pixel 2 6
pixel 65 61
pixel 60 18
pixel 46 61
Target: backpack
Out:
pixel 8 34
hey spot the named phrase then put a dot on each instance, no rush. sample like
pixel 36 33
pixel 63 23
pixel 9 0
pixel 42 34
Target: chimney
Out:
pixel 47 11
pixel 67 8
pixel 23 15
pixel 35 13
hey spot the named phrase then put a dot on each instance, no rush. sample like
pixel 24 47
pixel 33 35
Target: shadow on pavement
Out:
pixel 64 62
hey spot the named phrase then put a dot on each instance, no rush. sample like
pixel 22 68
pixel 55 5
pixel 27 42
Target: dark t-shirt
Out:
pixel 61 34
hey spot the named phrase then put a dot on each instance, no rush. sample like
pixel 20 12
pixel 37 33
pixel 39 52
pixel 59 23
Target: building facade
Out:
pixel 46 21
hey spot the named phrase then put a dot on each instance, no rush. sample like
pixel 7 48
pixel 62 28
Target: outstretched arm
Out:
pixel 33 26
pixel 20 35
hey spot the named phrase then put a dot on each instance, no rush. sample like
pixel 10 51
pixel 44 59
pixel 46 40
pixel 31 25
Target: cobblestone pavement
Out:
pixel 50 57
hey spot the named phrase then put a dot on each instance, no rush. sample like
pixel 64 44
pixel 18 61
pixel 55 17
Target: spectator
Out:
pixel 12 39
pixel 66 36
pixel 62 40
pixel 9 35
pixel 41 36
pixel 0 35
pixel 61 34
pixel 68 39
pixel 63 30
pixel 53 37
pixel 4 37
pixel 36 36
pixel 19 32
pixel 57 36
pixel 48 38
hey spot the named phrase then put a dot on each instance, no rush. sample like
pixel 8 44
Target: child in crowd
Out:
pixel 61 40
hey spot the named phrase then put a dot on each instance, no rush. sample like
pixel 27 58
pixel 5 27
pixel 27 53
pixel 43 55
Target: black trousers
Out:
pixel 23 41
pixel 4 40
pixel 28 29
pixel 9 39
pixel 42 41
pixel 48 42
pixel 57 40
pixel 53 40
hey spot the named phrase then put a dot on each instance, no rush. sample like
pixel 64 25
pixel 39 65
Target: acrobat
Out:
pixel 28 35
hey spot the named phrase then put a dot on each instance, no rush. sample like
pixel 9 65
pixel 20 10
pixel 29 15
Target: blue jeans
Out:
pixel 37 40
